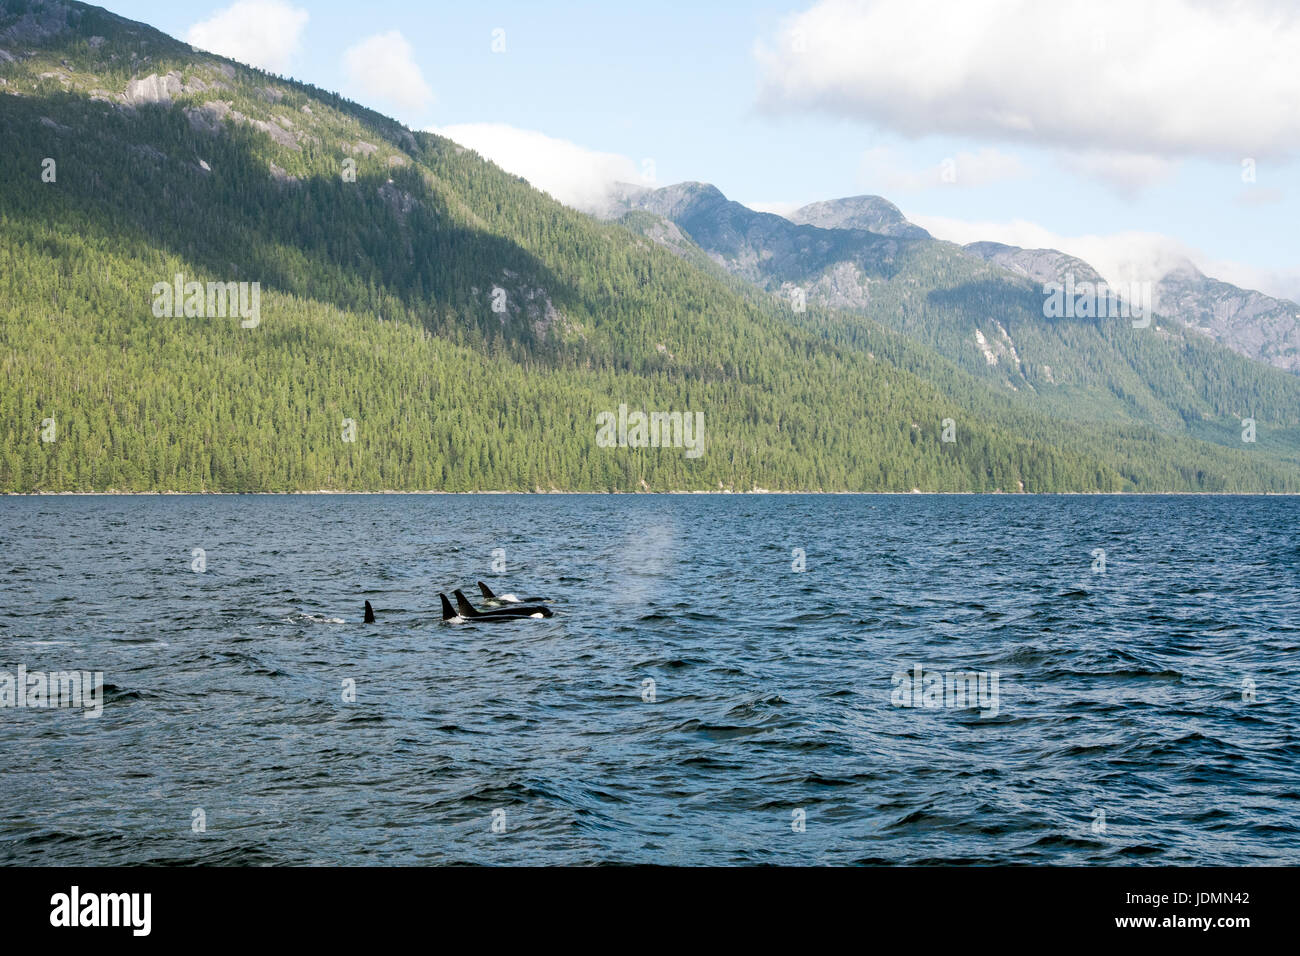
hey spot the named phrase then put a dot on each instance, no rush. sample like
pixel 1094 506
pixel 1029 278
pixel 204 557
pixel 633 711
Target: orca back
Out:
pixel 468 610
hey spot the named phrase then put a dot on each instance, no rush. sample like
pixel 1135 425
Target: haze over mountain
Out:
pixel 428 321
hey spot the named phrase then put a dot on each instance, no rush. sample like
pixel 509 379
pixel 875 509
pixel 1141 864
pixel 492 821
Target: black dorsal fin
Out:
pixel 462 604
pixel 447 612
pixel 370 614
pixel 486 592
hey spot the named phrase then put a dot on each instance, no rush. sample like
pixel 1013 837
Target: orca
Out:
pixel 493 601
pixel 370 614
pixel 468 612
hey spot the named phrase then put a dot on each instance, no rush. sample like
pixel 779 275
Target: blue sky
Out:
pixel 1117 135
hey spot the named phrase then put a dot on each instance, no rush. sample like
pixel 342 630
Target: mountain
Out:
pixel 983 308
pixel 1036 265
pixel 868 213
pixel 424 320
pixel 1254 324
pixel 768 249
pixel 1250 323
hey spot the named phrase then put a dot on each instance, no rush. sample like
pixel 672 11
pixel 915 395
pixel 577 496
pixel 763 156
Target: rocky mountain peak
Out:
pixel 871 213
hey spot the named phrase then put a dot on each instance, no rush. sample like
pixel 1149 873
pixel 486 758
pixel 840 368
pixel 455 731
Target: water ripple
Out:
pixel 694 700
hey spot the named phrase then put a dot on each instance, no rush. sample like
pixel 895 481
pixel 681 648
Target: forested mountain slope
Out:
pixel 427 321
pixel 982 307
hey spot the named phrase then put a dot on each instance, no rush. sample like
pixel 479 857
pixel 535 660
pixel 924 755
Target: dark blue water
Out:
pixel 1119 693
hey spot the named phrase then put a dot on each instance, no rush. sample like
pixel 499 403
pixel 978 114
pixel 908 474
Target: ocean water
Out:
pixel 1147 712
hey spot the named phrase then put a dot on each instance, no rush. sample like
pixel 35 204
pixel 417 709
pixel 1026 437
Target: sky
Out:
pixel 1132 133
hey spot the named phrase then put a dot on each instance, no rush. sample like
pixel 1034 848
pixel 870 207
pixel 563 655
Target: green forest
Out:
pixel 430 322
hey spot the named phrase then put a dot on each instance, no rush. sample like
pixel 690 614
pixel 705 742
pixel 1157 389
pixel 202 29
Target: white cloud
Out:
pixel 576 176
pixel 882 170
pixel 1120 257
pixel 382 67
pixel 1126 173
pixel 261 33
pixel 1168 78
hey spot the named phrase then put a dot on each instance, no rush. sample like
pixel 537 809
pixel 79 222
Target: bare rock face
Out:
pixel 209 118
pixel 842 286
pixel 159 89
pixel 868 213
pixel 39 23
pixel 997 346
pixel 274 130
pixel 666 233
pixel 1037 265
pixel 154 89
pixel 1251 323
